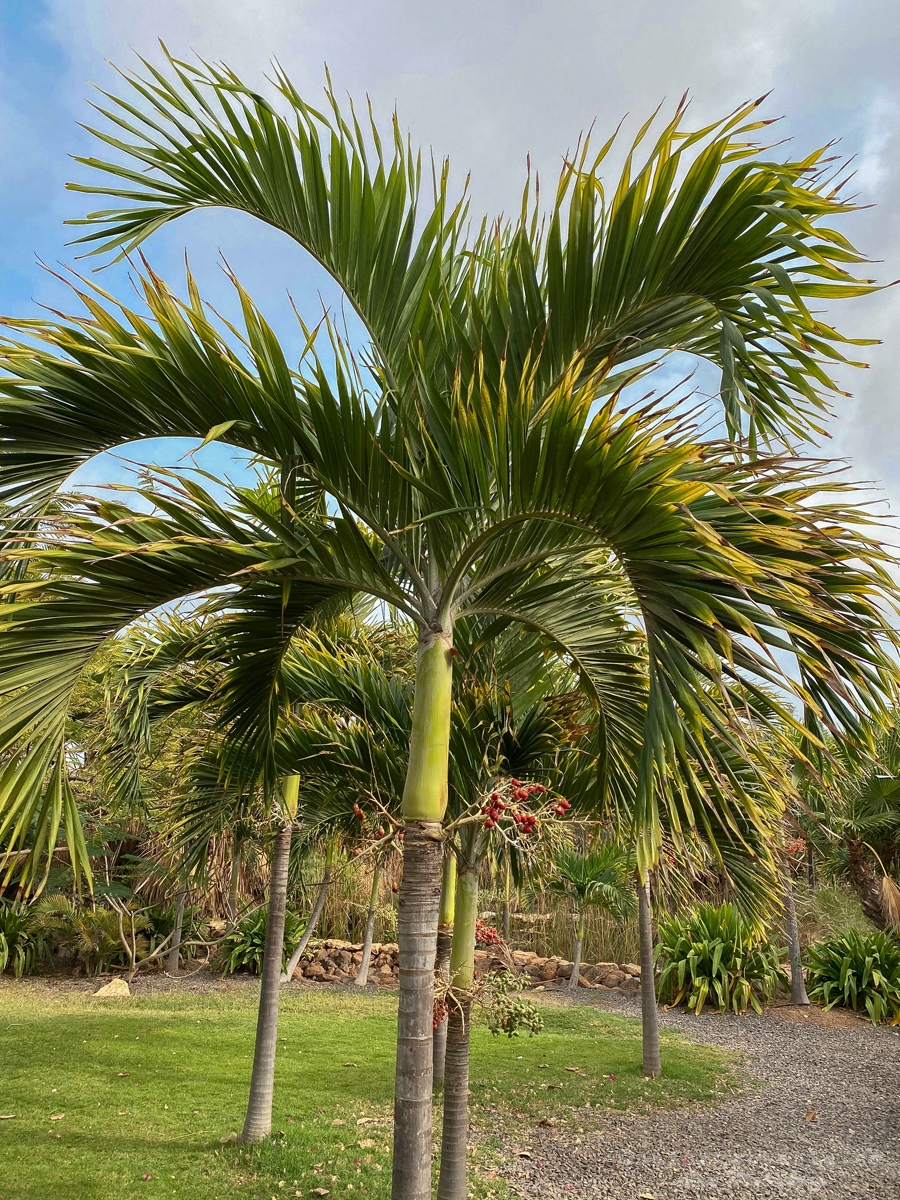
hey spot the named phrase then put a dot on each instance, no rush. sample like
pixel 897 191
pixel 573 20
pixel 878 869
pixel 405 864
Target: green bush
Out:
pixel 21 945
pixel 93 933
pixel 714 954
pixel 857 971
pixel 243 948
pixel 828 912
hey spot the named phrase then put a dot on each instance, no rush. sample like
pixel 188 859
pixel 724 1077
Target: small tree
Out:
pixel 600 879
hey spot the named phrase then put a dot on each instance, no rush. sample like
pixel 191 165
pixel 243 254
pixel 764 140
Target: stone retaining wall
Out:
pixel 338 962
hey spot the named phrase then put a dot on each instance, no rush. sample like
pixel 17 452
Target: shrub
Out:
pixel 828 912
pixel 507 1010
pixel 21 945
pixel 161 922
pixel 93 933
pixel 715 954
pixel 243 948
pixel 857 971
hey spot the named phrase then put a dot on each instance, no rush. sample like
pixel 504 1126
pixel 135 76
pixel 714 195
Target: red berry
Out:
pixel 489 824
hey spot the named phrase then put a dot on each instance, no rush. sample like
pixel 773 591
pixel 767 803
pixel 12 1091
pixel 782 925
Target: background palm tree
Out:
pixel 600 878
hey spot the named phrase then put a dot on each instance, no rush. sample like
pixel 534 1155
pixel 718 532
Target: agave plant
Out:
pixel 716 955
pixel 858 971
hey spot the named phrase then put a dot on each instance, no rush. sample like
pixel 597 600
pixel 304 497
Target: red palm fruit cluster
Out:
pixel 358 813
pixel 439 1012
pixel 562 808
pixel 492 810
pixel 487 935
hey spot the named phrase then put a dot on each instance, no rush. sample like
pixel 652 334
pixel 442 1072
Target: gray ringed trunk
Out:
pixel 174 956
pixel 311 924
pixel 439 1038
pixel 452 1183
pixel 417 918
pixel 576 957
pixel 649 1014
pixel 258 1124
pixel 234 881
pixel 362 975
pixel 798 986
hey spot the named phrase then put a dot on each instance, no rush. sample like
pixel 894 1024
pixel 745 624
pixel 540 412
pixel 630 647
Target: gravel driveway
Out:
pixel 824 1121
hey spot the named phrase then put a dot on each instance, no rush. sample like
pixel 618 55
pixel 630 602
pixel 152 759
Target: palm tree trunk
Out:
pixel 798 987
pixel 576 957
pixel 362 975
pixel 505 908
pixel 424 802
pixel 866 883
pixel 174 955
pixel 258 1123
pixel 442 962
pixel 649 1015
pixel 452 1182
pixel 313 921
pixel 234 880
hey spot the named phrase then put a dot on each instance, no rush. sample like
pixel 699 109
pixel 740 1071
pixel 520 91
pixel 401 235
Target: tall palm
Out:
pixel 194 664
pixel 484 477
pixel 598 879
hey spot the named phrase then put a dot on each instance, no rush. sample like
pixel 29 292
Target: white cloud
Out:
pixel 491 80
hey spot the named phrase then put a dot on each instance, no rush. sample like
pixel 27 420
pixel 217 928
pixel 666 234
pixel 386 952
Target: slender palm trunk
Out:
pixel 234 880
pixel 313 921
pixel 649 1015
pixel 174 956
pixel 442 961
pixel 576 957
pixel 424 802
pixel 506 916
pixel 258 1123
pixel 362 975
pixel 798 986
pixel 452 1182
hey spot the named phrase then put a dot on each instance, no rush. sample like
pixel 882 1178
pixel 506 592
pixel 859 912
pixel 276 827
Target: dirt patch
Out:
pixel 834 1018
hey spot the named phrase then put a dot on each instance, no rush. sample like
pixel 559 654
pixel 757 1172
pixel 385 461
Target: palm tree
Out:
pixel 598 879
pixel 851 812
pixel 490 470
pixel 446 918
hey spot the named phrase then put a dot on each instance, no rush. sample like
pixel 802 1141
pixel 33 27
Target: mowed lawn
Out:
pixel 109 1100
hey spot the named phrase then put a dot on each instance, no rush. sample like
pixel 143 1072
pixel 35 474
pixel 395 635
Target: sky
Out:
pixel 486 83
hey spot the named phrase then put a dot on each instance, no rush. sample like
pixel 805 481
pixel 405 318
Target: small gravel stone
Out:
pixel 824 1120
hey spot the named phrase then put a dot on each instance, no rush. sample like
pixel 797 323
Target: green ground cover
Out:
pixel 115 1100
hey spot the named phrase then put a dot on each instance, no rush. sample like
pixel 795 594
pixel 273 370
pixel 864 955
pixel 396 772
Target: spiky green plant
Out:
pixel 859 971
pixel 716 955
pixel 22 946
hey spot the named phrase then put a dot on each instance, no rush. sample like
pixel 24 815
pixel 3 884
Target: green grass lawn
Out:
pixel 122 1099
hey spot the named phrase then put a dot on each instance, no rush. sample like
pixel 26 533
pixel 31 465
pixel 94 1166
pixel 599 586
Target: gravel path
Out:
pixel 824 1121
